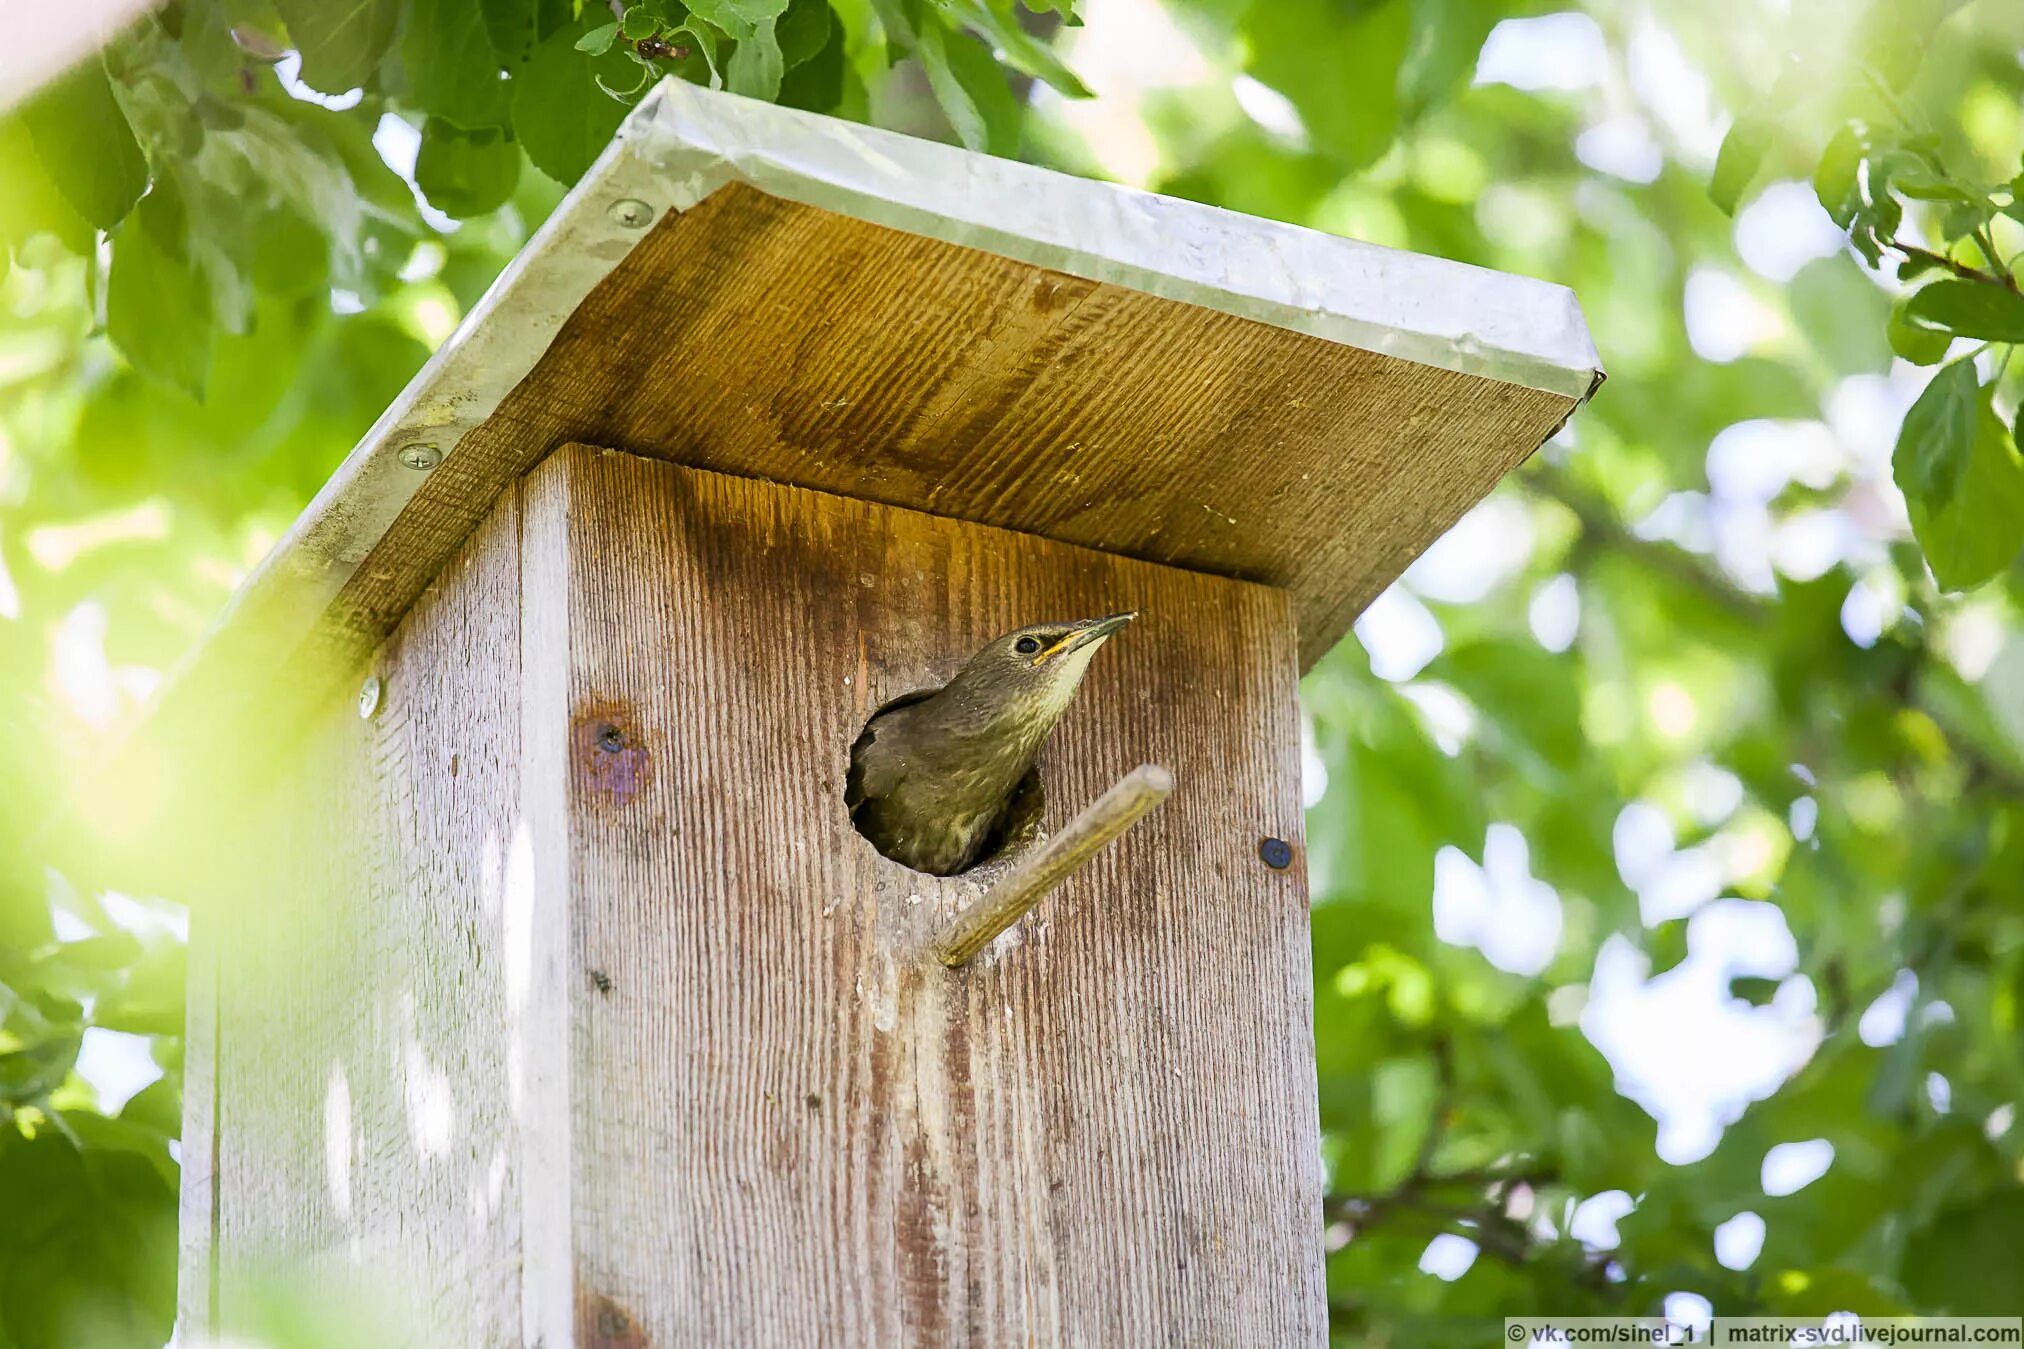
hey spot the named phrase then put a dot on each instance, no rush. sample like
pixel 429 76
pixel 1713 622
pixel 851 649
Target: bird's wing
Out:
pixel 874 769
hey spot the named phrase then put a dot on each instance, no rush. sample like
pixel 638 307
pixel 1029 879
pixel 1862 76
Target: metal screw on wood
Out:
pixel 1048 865
pixel 369 697
pixel 630 212
pixel 421 458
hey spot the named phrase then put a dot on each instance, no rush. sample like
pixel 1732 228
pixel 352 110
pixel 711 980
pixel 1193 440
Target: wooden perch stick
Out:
pixel 1049 864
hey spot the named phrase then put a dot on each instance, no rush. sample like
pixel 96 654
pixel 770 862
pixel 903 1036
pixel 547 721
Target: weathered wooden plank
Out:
pixel 772 339
pixel 366 1131
pixel 196 1234
pixel 540 950
pixel 564 1001
pixel 790 1125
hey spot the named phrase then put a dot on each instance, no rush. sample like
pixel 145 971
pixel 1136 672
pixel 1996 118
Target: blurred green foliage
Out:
pixel 211 282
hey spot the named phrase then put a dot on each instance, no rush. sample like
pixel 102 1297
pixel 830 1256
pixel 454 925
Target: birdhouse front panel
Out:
pixel 790 1124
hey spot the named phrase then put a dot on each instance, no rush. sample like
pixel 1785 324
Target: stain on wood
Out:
pixel 602 1324
pixel 607 758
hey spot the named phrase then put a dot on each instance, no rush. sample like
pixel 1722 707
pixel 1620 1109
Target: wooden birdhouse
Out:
pixel 541 983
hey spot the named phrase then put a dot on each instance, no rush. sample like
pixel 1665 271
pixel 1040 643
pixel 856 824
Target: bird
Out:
pixel 932 776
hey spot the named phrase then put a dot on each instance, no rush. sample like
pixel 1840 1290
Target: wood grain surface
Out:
pixel 770 339
pixel 366 1134
pixel 792 1125
pixel 559 1002
pixel 775 340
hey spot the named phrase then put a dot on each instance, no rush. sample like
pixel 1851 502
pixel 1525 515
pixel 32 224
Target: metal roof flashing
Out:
pixel 1521 343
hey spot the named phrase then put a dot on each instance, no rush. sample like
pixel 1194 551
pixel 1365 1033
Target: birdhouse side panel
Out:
pixel 790 1125
pixel 352 1120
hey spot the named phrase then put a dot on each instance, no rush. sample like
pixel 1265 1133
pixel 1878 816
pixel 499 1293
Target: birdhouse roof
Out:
pixel 771 293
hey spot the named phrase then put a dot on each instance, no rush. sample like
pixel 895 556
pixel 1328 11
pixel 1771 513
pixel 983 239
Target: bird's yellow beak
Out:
pixel 1083 634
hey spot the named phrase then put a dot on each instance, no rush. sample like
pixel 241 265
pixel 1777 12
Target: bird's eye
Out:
pixel 1026 646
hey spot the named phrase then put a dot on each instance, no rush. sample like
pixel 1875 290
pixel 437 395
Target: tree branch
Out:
pixel 1601 524
pixel 2003 280
pixel 1484 1221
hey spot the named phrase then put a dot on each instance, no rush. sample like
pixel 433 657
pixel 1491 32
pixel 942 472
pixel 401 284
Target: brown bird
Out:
pixel 931 778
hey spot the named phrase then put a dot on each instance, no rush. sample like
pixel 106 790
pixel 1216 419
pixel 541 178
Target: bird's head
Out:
pixel 1036 669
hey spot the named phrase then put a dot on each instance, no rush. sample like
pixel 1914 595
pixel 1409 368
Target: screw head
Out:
pixel 610 739
pixel 1276 853
pixel 369 697
pixel 630 212
pixel 421 457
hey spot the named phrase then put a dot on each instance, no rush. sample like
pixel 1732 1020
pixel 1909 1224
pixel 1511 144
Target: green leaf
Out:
pixel 1920 346
pixel 1937 438
pixel 1976 532
pixel 1965 1261
pixel 817 84
pixel 290 258
pixel 1894 36
pixel 451 69
pixel 1836 180
pixel 1313 53
pixel 86 147
pixel 515 27
pixel 114 951
pixel 638 22
pixel 30 1073
pixel 1739 159
pixel 598 40
pixel 971 89
pixel 896 23
pixel 1528 695
pixel 32 204
pixel 737 18
pixel 803 31
pixel 1875 226
pixel 466 173
pixel 705 39
pixel 158 311
pixel 157 1107
pixel 1923 186
pixel 1915 266
pixel 957 105
pixel 756 65
pixel 341 41
pixel 1404 1094
pixel 995 22
pixel 1843 314
pixel 561 117
pixel 1963 220
pixel 1969 309
pixel 1447 36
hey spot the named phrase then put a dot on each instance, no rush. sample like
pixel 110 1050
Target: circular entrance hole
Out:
pixel 1017 825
